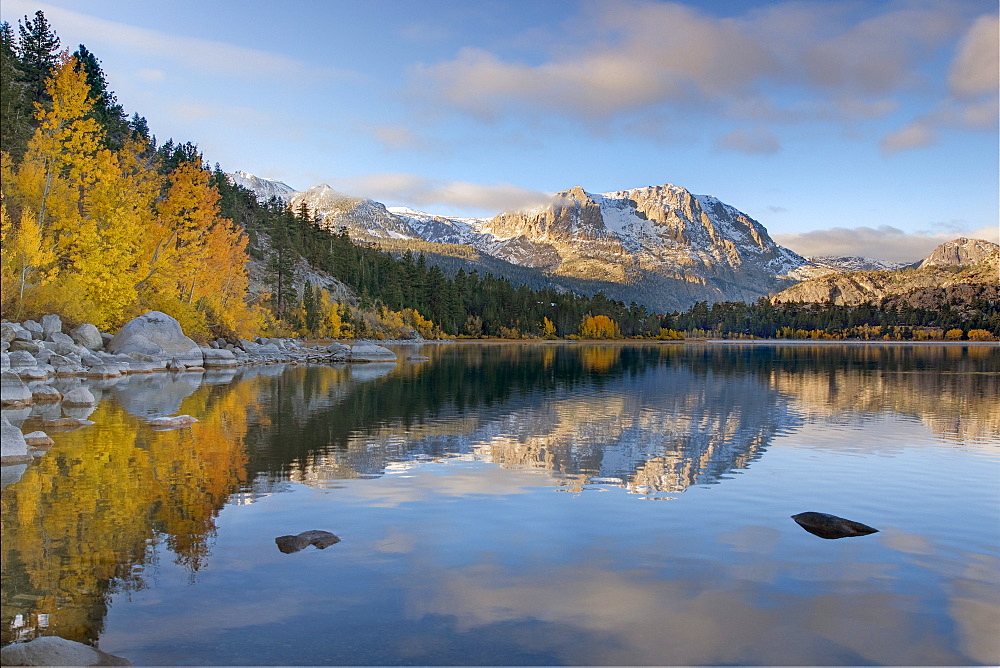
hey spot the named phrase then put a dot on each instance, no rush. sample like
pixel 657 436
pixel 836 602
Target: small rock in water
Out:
pixel 56 651
pixel 66 423
pixel 831 526
pixel 321 539
pixel 172 422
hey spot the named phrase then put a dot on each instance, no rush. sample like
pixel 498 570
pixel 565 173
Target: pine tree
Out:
pixel 15 111
pixel 38 49
pixel 106 109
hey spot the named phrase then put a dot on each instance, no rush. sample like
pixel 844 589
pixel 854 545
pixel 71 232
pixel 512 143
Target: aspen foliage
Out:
pixel 599 327
pixel 101 236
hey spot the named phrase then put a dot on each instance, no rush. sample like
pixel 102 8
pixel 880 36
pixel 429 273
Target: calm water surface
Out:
pixel 526 504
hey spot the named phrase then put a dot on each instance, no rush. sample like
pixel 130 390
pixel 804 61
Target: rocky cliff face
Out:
pixel 941 276
pixel 960 252
pixel 664 246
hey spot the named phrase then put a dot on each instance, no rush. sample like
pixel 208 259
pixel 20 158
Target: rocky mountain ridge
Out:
pixel 962 269
pixel 661 245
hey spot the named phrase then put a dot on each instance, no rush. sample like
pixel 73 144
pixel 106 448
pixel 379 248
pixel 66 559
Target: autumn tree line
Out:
pixel 100 223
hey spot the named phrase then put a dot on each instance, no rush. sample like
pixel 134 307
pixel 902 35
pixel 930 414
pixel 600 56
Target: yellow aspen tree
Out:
pixel 119 207
pixel 187 212
pixel 59 163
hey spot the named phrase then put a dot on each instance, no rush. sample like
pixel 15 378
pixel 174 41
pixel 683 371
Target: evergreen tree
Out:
pixel 38 49
pixel 16 114
pixel 106 109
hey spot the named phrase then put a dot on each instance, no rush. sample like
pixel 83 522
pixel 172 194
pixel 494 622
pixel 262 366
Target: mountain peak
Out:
pixel 265 189
pixel 959 252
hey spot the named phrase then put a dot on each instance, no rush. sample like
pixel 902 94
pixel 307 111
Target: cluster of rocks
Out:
pixel 42 364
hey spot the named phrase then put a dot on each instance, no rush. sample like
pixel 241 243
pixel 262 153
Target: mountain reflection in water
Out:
pixel 90 520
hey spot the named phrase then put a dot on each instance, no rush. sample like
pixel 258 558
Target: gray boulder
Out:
pixel 13 391
pixel 339 352
pixel 369 352
pixel 35 329
pixel 43 393
pixel 56 651
pixel 13 449
pixel 4 361
pixel 51 324
pixel 87 336
pixel 37 372
pixel 63 344
pixel 79 396
pixel 30 347
pixel 8 330
pixel 218 358
pixel 158 335
pixel 21 359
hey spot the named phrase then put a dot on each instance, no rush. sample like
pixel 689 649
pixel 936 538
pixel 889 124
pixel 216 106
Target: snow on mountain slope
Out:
pixel 362 216
pixel 668 246
pixel 265 189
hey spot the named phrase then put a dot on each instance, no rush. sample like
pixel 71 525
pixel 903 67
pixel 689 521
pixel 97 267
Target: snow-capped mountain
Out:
pixel 335 210
pixel 265 189
pixel 660 246
pixel 846 263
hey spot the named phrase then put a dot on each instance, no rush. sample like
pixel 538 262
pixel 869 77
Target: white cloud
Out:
pixel 419 191
pixel 975 69
pixel 974 83
pixel 915 135
pixel 796 61
pixel 752 141
pixel 399 138
pixel 884 242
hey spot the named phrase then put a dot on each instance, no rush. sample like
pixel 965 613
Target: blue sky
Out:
pixel 845 127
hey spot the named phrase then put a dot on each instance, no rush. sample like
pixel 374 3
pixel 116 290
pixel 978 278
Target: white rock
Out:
pixel 218 358
pixel 79 396
pixel 39 439
pixel 13 449
pixel 369 352
pixel 51 324
pixel 163 332
pixel 88 336
pixel 56 651
pixel 172 422
pixel 13 390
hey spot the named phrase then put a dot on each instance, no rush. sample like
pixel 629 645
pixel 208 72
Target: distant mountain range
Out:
pixel 961 270
pixel 660 246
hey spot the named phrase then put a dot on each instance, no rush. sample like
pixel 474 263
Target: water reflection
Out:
pixel 89 519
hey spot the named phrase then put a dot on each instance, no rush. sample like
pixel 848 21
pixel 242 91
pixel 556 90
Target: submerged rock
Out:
pixel 56 651
pixel 66 423
pixel 39 439
pixel 172 422
pixel 321 539
pixel 831 526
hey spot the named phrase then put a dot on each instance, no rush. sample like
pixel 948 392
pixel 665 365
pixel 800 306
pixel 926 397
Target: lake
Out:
pixel 535 503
